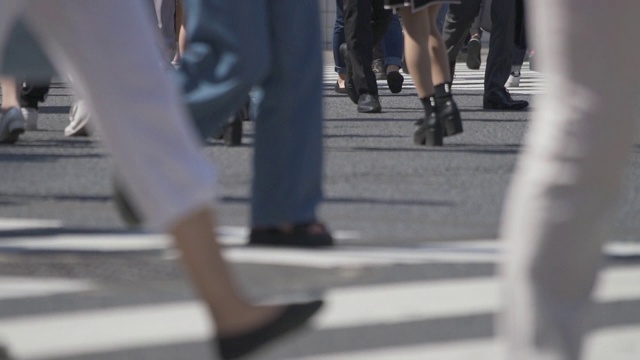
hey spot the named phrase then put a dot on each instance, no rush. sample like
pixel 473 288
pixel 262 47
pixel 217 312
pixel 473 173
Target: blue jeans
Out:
pixel 393 43
pixel 236 45
pixel 338 38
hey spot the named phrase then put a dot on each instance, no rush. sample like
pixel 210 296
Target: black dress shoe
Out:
pixel 339 90
pixel 301 235
pixel 502 100
pixel 292 317
pixel 473 53
pixel 395 81
pixel 368 104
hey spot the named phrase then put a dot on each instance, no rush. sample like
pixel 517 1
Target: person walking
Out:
pixel 569 175
pixel 365 24
pixel 279 51
pixel 428 65
pixel 458 21
pixel 140 117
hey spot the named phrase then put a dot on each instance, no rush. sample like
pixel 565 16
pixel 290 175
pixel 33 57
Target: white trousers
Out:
pixel 569 175
pixel 140 117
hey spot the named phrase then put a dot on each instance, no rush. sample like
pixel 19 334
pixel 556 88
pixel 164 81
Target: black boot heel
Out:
pixel 429 133
pixel 447 110
pixel 449 115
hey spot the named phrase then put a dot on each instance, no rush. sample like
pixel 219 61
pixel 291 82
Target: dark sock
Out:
pixel 428 103
pixel 443 90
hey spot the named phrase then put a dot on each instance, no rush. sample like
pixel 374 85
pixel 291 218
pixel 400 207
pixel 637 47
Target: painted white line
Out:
pixel 8 224
pixel 13 287
pixel 488 349
pixel 616 343
pixel 66 335
pixel 227 235
pixel 72 334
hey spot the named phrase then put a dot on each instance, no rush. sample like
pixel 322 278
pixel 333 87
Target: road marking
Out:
pixel 9 224
pixel 531 82
pixel 14 287
pixel 66 335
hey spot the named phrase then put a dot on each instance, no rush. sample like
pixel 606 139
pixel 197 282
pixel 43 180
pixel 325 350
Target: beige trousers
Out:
pixel 138 109
pixel 569 175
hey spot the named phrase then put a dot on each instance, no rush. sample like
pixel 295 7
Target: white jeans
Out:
pixel 118 69
pixel 569 175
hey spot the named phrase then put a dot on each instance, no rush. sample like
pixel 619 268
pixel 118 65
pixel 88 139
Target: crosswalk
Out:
pixel 439 318
pixel 466 80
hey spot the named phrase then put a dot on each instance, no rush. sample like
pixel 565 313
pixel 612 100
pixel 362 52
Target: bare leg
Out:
pixel 440 72
pixel 416 46
pixel 201 254
pixel 10 93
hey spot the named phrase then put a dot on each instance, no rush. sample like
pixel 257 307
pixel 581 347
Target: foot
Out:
pixel 340 88
pixel 30 118
pixel 11 125
pixel 473 53
pixel 448 114
pixel 368 104
pixel 78 120
pixel 502 100
pixel 514 80
pixel 288 319
pixel 378 69
pixel 395 81
pixel 310 235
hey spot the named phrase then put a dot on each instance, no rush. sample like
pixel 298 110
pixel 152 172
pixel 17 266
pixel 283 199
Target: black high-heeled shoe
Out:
pixel 449 115
pixel 292 318
pixel 429 131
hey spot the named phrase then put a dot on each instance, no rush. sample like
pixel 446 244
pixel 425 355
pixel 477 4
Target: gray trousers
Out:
pixel 456 27
pixel 569 175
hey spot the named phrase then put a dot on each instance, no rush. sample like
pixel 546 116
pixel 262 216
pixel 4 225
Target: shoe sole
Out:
pixel 395 81
pixel 473 55
pixel 490 106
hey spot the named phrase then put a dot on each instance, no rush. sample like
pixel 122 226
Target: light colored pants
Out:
pixel 570 173
pixel 136 104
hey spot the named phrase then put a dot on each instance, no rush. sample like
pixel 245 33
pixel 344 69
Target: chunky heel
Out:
pixel 429 133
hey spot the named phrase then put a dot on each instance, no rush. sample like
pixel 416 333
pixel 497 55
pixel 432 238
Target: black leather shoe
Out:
pixel 395 81
pixel 502 100
pixel 301 235
pixel 368 104
pixel 473 53
pixel 339 90
pixel 292 318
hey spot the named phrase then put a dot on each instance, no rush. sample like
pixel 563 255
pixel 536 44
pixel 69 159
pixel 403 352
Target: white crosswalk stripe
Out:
pixel 65 335
pixel 466 80
pixel 129 326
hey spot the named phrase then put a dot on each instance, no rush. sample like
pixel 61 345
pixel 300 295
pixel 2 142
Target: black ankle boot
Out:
pixel 429 131
pixel 447 110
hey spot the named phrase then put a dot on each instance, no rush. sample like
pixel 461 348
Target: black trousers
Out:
pixel 365 23
pixel 460 18
pixel 34 93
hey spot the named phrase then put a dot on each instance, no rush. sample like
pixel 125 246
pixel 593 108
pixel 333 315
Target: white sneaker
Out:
pixel 78 120
pixel 514 80
pixel 30 118
pixel 11 125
